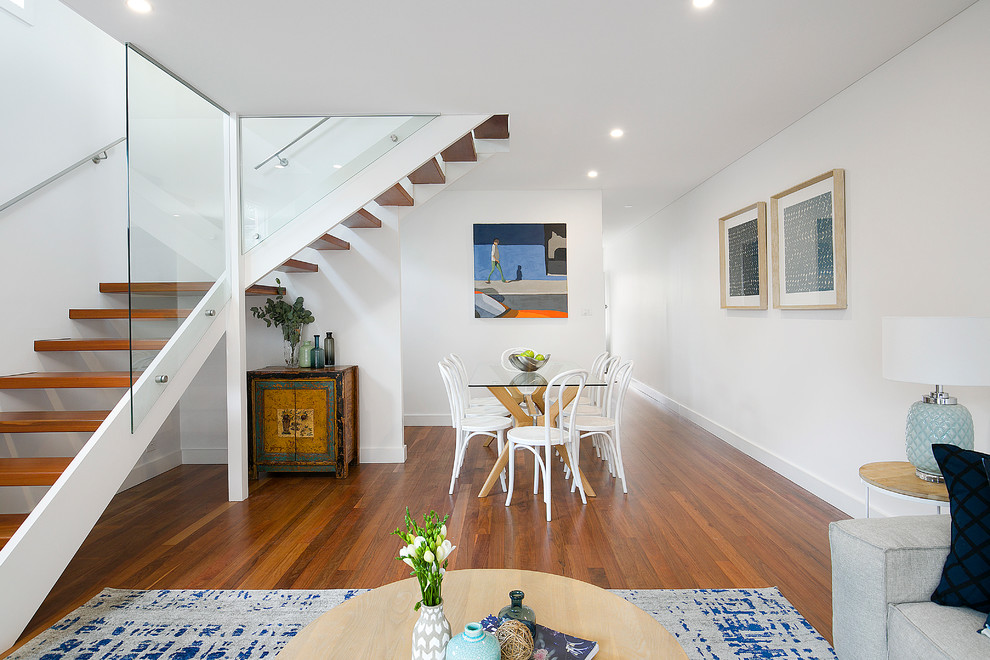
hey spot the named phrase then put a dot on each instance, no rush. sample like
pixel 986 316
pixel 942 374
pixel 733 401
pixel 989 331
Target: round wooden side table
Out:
pixel 898 479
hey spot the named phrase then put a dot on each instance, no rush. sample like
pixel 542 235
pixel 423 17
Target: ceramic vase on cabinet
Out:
pixel 474 644
pixel 430 634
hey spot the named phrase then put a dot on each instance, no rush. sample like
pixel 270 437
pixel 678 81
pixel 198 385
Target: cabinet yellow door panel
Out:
pixel 278 432
pixel 312 434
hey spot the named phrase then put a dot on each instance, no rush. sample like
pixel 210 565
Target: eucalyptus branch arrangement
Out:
pixel 426 552
pixel 291 318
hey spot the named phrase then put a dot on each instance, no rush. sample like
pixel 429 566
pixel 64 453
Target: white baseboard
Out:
pixel 840 499
pixel 383 454
pixel 204 456
pixel 426 420
pixel 153 467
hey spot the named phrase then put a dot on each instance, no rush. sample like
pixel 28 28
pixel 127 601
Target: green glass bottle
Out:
pixel 516 610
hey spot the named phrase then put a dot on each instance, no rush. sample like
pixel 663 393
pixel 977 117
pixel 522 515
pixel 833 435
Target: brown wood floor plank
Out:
pixel 699 514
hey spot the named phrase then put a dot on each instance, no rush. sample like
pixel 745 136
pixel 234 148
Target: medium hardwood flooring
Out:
pixel 699 514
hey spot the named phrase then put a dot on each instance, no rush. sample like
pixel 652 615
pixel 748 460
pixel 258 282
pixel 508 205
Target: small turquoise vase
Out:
pixel 474 644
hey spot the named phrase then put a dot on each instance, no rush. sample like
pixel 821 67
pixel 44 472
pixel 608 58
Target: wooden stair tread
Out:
pixel 31 471
pixel 179 288
pixel 9 522
pixel 297 266
pixel 462 151
pixel 397 195
pixel 428 173
pixel 495 127
pixel 363 219
pixel 52 421
pixel 122 313
pixel 57 379
pixel 329 242
pixel 99 344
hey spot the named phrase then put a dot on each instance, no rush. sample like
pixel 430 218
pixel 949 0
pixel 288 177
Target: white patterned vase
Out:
pixel 430 634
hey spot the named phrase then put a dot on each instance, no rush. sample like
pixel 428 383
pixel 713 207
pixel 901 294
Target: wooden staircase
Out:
pixel 45 471
pixel 401 194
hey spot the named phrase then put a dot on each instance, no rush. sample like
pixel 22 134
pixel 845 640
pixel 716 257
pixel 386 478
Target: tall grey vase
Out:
pixel 430 634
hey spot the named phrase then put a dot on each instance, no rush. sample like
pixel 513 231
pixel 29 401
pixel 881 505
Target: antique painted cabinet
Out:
pixel 302 420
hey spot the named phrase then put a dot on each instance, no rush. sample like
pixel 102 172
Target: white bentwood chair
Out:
pixel 592 403
pixel 605 429
pixel 471 400
pixel 466 427
pixel 552 434
pixel 470 407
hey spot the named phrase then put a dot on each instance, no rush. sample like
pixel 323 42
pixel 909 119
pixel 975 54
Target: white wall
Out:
pixel 355 295
pixel 438 289
pixel 802 390
pixel 59 244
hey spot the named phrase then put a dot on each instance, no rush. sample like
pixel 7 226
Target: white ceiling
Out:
pixel 693 89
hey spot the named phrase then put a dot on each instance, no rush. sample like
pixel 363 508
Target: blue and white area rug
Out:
pixel 710 624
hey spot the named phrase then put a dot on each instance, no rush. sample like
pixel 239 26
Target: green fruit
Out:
pixel 528 353
pixel 539 357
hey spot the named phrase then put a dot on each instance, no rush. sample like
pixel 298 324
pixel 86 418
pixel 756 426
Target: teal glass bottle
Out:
pixel 318 360
pixel 328 348
pixel 516 610
pixel 474 644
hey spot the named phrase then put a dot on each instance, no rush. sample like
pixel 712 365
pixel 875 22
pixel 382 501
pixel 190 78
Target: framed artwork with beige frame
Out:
pixel 808 242
pixel 742 251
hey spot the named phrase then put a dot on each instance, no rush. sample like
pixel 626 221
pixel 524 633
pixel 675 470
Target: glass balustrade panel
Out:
pixel 288 164
pixel 177 205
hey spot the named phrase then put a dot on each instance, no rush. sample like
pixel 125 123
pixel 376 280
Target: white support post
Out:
pixel 237 463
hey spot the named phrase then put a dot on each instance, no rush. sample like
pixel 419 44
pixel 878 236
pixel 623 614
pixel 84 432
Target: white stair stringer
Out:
pixel 39 551
pixel 363 187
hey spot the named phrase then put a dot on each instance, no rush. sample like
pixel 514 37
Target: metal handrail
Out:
pixel 95 157
pixel 301 136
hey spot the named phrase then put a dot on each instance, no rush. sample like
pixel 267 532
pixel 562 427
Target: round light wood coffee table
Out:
pixel 379 623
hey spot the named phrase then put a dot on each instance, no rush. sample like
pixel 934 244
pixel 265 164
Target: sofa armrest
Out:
pixel 877 562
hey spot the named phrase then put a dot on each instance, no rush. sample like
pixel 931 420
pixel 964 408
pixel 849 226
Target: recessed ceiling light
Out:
pixel 702 4
pixel 140 6
pixel 592 174
pixel 336 166
pixel 617 132
pixel 627 206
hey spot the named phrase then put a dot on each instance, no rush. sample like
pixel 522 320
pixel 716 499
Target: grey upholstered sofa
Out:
pixel 883 573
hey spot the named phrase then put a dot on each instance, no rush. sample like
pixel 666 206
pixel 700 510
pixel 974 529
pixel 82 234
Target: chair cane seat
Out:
pixel 593 423
pixel 534 435
pixel 585 409
pixel 486 423
pixel 485 411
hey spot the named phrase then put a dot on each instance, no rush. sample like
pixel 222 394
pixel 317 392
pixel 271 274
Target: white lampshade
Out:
pixel 937 350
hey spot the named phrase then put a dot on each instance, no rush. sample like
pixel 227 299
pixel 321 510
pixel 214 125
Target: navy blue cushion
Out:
pixel 986 468
pixel 966 575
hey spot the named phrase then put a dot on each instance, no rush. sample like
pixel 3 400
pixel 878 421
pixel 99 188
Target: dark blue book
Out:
pixel 549 643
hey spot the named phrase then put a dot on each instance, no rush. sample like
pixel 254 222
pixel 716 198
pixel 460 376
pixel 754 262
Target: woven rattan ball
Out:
pixel 515 639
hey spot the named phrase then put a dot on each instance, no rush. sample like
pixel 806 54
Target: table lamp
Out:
pixel 939 351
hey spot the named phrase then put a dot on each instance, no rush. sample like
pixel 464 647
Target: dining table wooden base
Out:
pixel 523 418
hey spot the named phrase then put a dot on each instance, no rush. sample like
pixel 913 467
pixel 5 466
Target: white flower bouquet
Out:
pixel 426 552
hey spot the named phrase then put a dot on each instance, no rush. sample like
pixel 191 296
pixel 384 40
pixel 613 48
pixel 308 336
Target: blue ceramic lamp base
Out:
pixel 935 423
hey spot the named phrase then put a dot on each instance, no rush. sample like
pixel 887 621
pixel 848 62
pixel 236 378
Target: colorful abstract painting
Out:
pixel 520 270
